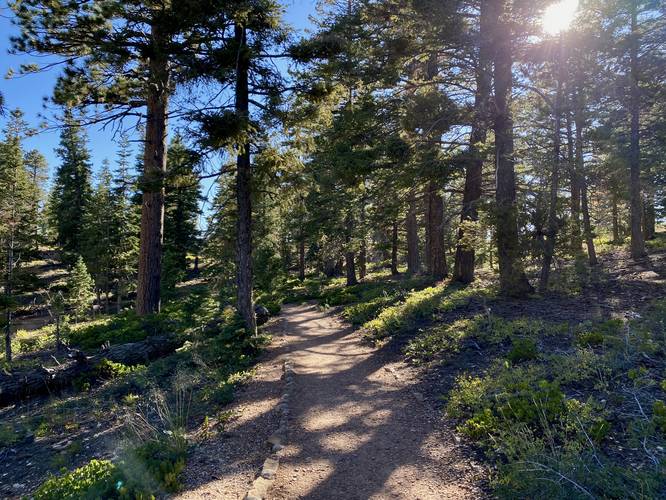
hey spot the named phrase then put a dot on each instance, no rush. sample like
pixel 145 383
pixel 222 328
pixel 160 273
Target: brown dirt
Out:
pixel 361 427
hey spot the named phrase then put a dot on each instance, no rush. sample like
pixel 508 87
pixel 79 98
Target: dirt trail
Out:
pixel 360 429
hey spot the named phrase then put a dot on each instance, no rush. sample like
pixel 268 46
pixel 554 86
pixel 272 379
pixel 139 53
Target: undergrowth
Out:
pixel 585 422
pixel 156 405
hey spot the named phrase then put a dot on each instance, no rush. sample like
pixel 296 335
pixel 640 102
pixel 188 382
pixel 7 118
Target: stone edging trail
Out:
pixel 262 484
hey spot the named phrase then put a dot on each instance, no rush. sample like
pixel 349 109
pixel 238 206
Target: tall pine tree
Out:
pixel 72 189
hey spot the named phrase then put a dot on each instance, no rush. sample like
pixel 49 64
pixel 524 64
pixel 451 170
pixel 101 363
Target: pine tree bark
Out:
pixel 615 220
pixel 350 262
pixel 649 214
pixel 394 248
pixel 465 254
pixel 575 187
pixel 435 233
pixel 413 261
pixel 637 239
pixel 582 177
pixel 244 299
pixel 513 281
pixel 301 258
pixel 363 259
pixel 350 267
pixel 551 233
pixel 154 160
pixel 363 251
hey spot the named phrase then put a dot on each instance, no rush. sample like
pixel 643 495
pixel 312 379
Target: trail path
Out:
pixel 359 427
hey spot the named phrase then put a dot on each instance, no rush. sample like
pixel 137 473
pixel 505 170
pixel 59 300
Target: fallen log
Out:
pixel 27 383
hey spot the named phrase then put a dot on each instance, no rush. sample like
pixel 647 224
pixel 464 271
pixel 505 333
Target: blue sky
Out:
pixel 27 92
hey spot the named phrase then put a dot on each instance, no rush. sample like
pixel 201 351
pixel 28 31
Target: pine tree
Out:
pixel 72 189
pixel 513 281
pixel 99 239
pixel 17 237
pixel 80 290
pixel 254 29
pixel 37 168
pixel 126 55
pixel 126 225
pixel 182 196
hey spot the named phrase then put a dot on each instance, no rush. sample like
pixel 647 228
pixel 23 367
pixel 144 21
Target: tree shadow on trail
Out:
pixel 360 432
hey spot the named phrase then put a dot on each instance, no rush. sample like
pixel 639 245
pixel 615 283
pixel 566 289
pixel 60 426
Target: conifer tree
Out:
pixel 99 236
pixel 72 189
pixel 80 289
pixel 127 56
pixel 126 224
pixel 182 198
pixel 513 281
pixel 241 59
pixel 16 234
pixel 35 163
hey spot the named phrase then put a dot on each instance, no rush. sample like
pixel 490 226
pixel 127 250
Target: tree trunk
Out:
pixel 615 220
pixel 58 346
pixel 513 281
pixel 9 298
pixel 435 233
pixel 579 119
pixel 575 188
pixel 119 298
pixel 363 252
pixel 649 214
pixel 394 248
pixel 244 193
pixel 154 160
pixel 465 254
pixel 582 178
pixel 350 264
pixel 637 240
pixel 301 258
pixel 350 267
pixel 413 263
pixel 551 233
pixel 362 259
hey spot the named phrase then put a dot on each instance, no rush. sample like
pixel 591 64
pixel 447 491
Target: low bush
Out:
pixel 523 350
pixel 417 306
pixel 96 479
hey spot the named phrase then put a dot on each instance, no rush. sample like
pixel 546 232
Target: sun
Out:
pixel 559 16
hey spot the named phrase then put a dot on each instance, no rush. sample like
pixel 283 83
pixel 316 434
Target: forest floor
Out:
pixel 399 387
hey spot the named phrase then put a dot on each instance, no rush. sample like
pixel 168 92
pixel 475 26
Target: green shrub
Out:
pixel 590 339
pixel 363 312
pixel 441 338
pixel 274 308
pixel 106 369
pixel 659 415
pixel 164 459
pixel 9 435
pixel 150 468
pixel 523 350
pixel 417 306
pixel 97 479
